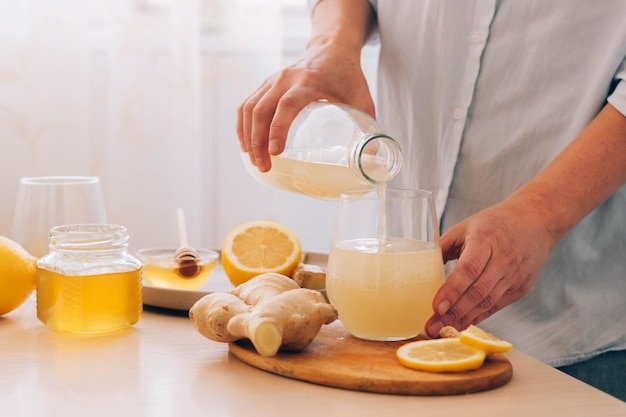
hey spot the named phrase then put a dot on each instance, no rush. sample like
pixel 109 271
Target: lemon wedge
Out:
pixel 440 355
pixel 258 247
pixel 476 337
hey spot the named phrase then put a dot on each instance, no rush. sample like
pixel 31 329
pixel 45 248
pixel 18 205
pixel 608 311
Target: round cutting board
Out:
pixel 337 359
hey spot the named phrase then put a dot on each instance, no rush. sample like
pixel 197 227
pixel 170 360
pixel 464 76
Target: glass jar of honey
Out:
pixel 88 282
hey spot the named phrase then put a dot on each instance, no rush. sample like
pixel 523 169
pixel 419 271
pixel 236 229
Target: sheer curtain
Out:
pixel 262 37
pixel 143 94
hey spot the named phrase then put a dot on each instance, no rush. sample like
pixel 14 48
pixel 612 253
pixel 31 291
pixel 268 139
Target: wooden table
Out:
pixel 163 367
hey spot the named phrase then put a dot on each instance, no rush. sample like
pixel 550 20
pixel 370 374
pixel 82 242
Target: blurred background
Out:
pixel 143 94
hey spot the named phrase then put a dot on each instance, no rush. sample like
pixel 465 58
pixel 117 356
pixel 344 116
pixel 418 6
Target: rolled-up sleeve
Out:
pixel 313 3
pixel 373 39
pixel 617 98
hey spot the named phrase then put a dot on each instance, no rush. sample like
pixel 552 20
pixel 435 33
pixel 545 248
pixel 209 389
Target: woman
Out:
pixel 514 115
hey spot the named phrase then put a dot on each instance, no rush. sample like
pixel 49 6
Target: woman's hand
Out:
pixel 263 119
pixel 500 253
pixel 501 249
pixel 329 69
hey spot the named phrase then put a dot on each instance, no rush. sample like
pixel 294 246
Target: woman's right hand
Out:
pixel 329 69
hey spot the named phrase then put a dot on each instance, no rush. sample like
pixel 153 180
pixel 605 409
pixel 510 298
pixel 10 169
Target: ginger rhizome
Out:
pixel 309 276
pixel 270 310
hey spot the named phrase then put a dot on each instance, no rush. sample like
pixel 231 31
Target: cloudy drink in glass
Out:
pixel 385 263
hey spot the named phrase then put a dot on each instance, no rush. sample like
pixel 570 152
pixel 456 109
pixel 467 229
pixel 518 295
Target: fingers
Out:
pixel 259 121
pixel 500 254
pixel 472 263
pixel 486 278
pixel 452 243
pixel 484 281
pixel 475 306
pixel 472 282
pixel 263 120
pixel 269 122
pixel 288 108
pixel 245 119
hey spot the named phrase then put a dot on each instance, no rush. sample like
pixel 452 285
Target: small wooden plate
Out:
pixel 337 359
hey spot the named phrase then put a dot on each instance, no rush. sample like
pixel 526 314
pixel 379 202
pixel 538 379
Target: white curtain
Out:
pixel 143 94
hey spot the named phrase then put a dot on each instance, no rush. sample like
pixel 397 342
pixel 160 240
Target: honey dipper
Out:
pixel 186 256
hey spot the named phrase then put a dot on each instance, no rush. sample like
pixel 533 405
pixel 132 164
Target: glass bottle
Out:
pixel 331 148
pixel 88 282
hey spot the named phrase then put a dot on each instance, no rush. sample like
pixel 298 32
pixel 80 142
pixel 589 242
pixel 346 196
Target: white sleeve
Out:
pixel 373 39
pixel 313 3
pixel 617 97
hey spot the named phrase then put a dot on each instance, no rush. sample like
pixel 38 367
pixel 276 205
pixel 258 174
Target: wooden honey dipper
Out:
pixel 186 256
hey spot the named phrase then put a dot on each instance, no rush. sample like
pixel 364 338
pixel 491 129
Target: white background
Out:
pixel 143 94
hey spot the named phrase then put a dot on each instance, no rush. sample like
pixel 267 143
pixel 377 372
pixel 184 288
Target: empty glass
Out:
pixel 45 202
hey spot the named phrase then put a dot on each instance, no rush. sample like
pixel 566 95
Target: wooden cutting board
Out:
pixel 337 359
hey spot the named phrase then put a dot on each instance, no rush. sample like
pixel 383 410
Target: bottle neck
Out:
pixel 376 157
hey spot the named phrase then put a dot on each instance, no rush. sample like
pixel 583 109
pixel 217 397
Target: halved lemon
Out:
pixel 476 337
pixel 440 355
pixel 258 247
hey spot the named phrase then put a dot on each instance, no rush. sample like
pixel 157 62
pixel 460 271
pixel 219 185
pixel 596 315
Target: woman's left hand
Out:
pixel 500 251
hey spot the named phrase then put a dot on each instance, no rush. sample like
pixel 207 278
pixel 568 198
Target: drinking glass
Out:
pixel 45 202
pixel 385 263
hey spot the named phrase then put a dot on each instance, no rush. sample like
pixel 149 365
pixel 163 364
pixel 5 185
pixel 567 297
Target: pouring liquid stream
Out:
pixel 381 190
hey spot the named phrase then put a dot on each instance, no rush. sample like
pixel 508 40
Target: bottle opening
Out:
pixel 379 158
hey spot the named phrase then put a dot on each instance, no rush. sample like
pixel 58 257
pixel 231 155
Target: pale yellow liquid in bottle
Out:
pixel 89 303
pixel 315 179
pixel 384 293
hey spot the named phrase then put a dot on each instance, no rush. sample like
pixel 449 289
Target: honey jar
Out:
pixel 89 282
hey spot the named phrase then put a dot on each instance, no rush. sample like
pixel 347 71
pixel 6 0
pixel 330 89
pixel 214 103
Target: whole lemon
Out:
pixel 18 275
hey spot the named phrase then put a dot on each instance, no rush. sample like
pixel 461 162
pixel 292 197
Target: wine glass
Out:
pixel 45 202
pixel 385 263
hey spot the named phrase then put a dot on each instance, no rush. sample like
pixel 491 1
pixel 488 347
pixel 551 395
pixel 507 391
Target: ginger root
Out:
pixel 212 313
pixel 270 310
pixel 263 286
pixel 310 276
pixel 448 332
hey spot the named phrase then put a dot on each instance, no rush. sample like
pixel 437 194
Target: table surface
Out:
pixel 163 367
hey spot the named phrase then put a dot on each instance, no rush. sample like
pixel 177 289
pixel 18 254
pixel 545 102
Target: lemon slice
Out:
pixel 258 247
pixel 440 355
pixel 476 337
